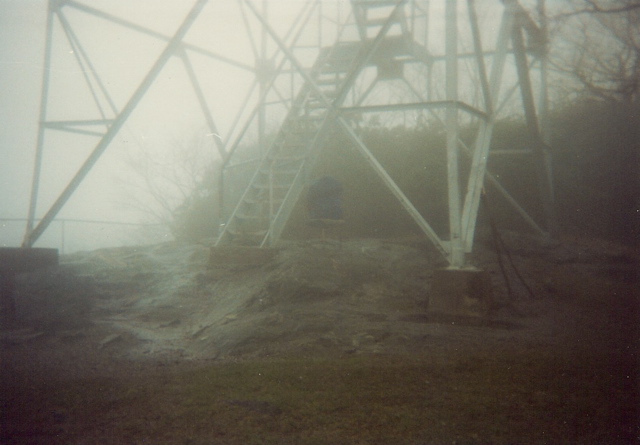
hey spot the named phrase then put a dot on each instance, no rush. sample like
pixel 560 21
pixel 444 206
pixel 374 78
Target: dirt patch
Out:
pixel 155 324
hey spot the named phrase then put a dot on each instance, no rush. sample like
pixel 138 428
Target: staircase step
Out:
pixel 302 125
pixel 266 202
pixel 260 186
pixel 247 237
pixel 257 201
pixel 377 21
pixel 247 217
pixel 337 65
pixel 316 98
pixel 331 79
pixel 287 158
pixel 279 170
pixel 328 93
pixel 314 104
pixel 374 3
pixel 315 117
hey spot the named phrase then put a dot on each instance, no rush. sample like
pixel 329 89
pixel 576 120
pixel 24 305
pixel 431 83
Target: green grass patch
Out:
pixel 527 397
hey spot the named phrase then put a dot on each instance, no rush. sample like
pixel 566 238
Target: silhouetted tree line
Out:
pixel 197 217
pixel 597 167
pixel 595 143
pixel 595 146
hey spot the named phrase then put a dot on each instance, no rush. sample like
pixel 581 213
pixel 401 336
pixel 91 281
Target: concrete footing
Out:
pixel 231 256
pixel 461 292
pixel 15 260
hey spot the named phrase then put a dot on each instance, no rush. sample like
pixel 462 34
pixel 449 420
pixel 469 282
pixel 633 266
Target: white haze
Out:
pixel 167 116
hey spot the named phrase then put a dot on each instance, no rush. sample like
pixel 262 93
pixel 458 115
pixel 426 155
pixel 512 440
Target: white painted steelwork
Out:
pixel 453 70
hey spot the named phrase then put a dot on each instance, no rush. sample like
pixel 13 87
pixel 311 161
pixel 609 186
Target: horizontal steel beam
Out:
pixel 57 124
pixel 150 32
pixel 462 106
pixel 167 53
pixel 512 152
pixel 69 126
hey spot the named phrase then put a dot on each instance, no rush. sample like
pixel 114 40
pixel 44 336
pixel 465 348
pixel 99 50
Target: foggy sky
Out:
pixel 168 113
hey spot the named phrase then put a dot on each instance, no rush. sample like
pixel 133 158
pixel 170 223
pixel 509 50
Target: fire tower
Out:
pixel 455 62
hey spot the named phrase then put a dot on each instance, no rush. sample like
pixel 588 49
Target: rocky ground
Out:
pixel 126 313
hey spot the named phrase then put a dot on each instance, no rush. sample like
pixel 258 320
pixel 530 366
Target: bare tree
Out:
pixel 595 54
pixel 597 44
pixel 163 181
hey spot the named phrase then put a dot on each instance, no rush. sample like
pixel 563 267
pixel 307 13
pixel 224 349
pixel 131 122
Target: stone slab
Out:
pixel 461 292
pixel 20 260
pixel 241 255
pixel 16 260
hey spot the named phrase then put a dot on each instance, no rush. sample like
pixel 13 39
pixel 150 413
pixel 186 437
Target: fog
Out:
pixel 355 328
pixel 168 115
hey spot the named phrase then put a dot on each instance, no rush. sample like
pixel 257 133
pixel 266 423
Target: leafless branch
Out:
pixel 598 47
pixel 596 8
pixel 164 179
pixel 593 7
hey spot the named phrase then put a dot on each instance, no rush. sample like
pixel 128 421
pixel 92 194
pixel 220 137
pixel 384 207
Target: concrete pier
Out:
pixel 15 260
pixel 461 292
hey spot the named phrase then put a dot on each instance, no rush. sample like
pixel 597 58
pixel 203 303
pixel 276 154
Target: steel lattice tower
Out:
pixel 449 67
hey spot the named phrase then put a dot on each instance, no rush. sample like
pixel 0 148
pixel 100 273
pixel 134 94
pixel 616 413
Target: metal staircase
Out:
pixel 266 204
pixel 462 80
pixel 262 212
pixel 372 15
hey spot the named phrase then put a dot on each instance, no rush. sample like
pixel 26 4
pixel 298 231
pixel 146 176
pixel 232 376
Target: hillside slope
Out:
pixel 178 335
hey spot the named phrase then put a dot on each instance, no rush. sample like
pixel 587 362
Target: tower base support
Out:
pixel 240 256
pixel 461 292
pixel 16 260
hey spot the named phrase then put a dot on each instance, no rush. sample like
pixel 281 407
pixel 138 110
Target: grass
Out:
pixel 530 396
